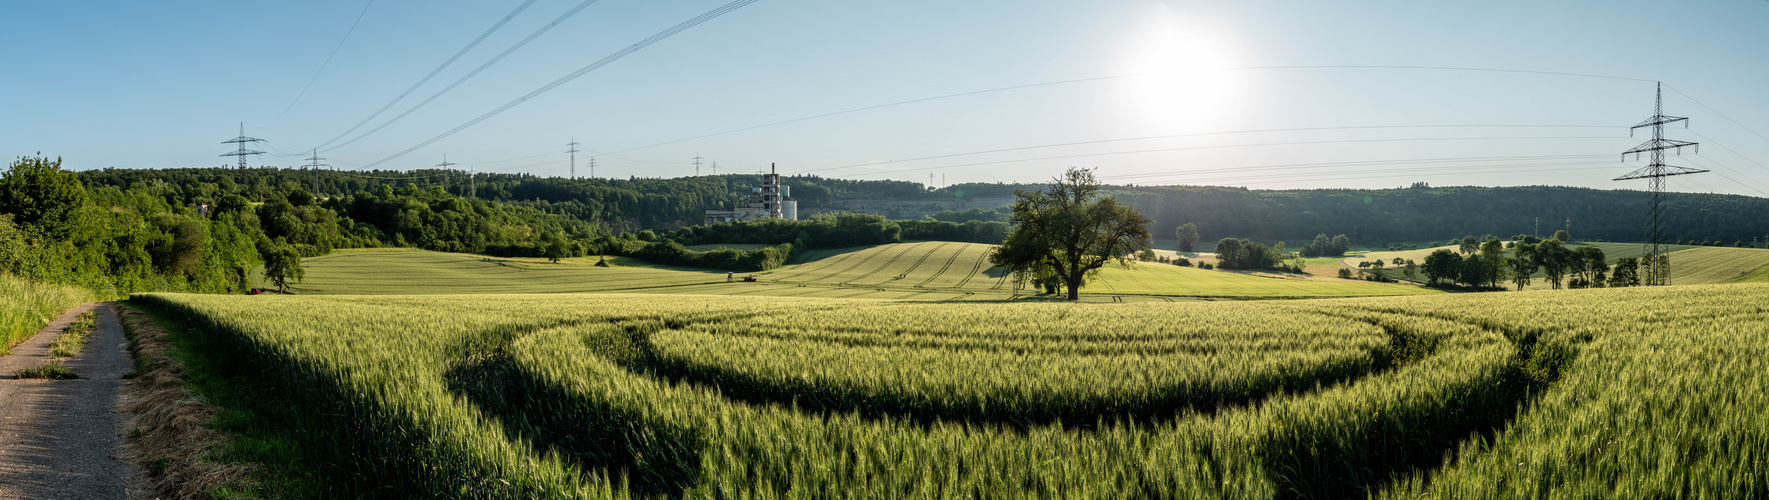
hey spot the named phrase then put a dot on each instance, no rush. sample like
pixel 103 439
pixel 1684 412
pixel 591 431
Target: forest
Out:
pixel 1369 217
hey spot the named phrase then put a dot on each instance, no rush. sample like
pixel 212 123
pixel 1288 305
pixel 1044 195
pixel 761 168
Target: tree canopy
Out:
pixel 1069 232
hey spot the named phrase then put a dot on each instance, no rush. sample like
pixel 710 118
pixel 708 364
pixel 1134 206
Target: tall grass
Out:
pixel 26 307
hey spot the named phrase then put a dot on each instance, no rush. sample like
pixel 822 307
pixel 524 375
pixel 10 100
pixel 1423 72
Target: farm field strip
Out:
pixel 901 270
pixel 1708 265
pixel 1317 398
pixel 608 388
pixel 875 267
pixel 888 271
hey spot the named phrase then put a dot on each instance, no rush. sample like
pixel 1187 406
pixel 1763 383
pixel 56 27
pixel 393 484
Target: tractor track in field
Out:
pixel 974 269
pixel 881 267
pixel 858 261
pixel 917 263
pixel 942 271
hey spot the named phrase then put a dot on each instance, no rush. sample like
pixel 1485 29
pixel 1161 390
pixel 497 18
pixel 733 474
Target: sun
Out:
pixel 1184 72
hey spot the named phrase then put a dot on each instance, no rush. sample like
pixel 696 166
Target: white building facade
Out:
pixel 767 201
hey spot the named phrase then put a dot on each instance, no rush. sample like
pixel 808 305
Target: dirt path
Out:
pixel 63 438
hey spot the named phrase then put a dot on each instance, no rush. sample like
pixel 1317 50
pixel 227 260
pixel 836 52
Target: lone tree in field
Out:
pixel 281 264
pixel 1068 234
pixel 1187 235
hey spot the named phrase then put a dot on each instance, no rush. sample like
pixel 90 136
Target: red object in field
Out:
pixel 750 278
pixel 256 291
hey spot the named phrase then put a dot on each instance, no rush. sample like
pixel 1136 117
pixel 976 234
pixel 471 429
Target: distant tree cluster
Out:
pixel 1236 253
pixel 1322 246
pixel 1485 266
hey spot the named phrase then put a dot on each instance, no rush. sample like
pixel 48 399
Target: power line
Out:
pixel 322 66
pixel 1061 157
pixel 1717 113
pixel 494 60
pixel 1201 134
pixel 451 60
pixel 1117 77
pixel 580 72
pixel 1290 166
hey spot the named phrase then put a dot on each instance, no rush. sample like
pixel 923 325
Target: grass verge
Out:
pixel 199 428
pixel 51 370
pixel 73 338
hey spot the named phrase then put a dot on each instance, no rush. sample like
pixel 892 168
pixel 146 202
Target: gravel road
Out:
pixel 64 438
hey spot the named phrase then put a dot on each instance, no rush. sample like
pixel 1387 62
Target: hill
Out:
pixel 1372 217
pixel 921 270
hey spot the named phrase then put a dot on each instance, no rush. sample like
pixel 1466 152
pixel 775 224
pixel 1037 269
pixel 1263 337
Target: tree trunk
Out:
pixel 1074 284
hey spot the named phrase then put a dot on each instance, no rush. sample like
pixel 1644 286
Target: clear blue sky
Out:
pixel 160 84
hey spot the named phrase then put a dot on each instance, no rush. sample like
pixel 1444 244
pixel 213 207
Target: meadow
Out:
pixel 27 306
pixel 1690 264
pixel 942 271
pixel 1591 393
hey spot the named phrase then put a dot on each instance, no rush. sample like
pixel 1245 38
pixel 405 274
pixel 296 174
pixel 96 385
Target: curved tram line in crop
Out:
pixel 595 396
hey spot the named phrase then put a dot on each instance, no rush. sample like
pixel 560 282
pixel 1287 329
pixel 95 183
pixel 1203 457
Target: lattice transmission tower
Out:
pixel 573 150
pixel 1656 262
pixel 314 165
pixel 242 140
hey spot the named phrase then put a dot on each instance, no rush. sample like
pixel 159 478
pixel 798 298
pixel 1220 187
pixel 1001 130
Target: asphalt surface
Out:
pixel 65 438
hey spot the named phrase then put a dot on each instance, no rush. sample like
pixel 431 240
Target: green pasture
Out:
pixel 929 270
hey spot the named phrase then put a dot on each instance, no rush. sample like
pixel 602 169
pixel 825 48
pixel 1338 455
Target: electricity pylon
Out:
pixel 1656 261
pixel 573 151
pixel 242 140
pixel 314 164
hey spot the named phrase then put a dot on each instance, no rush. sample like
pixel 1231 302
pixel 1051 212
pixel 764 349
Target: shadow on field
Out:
pixel 1017 411
pixel 653 456
pixel 1334 459
pixel 1009 410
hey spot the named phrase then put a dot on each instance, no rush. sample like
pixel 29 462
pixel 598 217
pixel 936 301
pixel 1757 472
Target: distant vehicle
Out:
pixel 255 291
pixel 750 278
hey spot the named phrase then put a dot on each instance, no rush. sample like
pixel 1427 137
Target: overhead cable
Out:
pixel 580 72
pixel 567 15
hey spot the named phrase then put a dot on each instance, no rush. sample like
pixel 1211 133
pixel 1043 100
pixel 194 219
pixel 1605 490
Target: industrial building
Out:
pixel 769 200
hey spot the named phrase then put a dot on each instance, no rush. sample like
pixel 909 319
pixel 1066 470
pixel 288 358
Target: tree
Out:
pixel 556 247
pixel 1442 264
pixel 1322 246
pixel 1068 232
pixel 1563 236
pixel 1594 265
pixel 1411 271
pixel 1228 252
pixel 1493 253
pixel 1555 260
pixel 1468 245
pixel 1523 265
pixel 39 193
pixel 1625 273
pixel 1187 234
pixel 281 264
pixel 1474 271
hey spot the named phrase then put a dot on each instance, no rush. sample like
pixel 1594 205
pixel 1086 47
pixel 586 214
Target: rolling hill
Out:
pixel 920 271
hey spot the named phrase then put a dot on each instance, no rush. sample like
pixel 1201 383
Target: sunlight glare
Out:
pixel 1186 84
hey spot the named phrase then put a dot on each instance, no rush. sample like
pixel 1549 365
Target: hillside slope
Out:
pixel 930 270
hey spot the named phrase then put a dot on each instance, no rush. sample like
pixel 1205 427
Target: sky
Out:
pixel 1266 95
